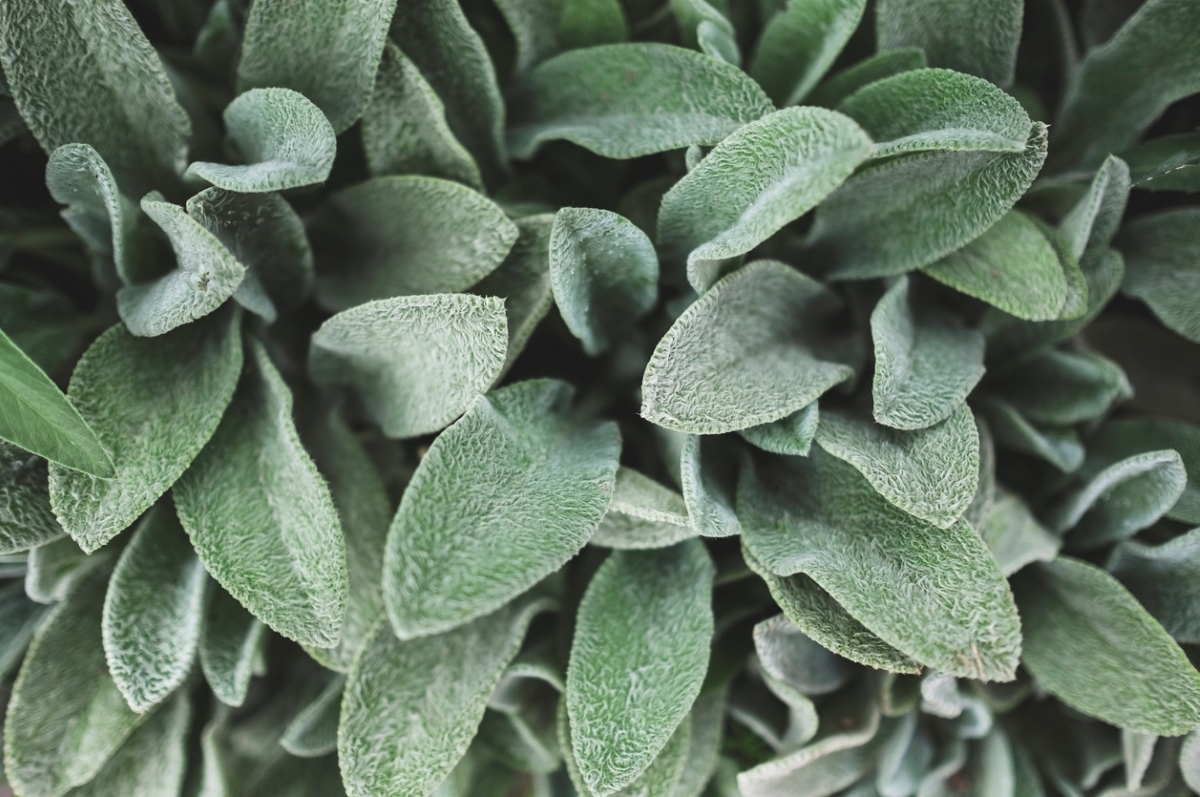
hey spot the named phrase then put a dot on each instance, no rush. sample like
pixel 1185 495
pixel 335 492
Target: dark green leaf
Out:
pixel 587 23
pixel 844 83
pixel 1162 266
pixel 800 43
pixel 1121 499
pixel 643 514
pixel 978 38
pixel 313 733
pixel 19 619
pixel 1156 163
pixel 53 567
pixel 1093 222
pixel 231 643
pixel 1061 388
pixel 44 325
pixel 1058 445
pixel 1164 579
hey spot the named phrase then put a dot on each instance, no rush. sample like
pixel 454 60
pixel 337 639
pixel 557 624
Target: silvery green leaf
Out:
pixel 153 760
pixel 792 435
pixel 1122 438
pixel 977 38
pixel 231 643
pixel 53 567
pixel 929 473
pixel 800 43
pixel 788 655
pixel 1123 85
pixel 879 66
pixel 938 109
pixel 677 97
pixel 327 52
pixel 534 25
pixel 283 139
pixel 708 487
pixel 1060 387
pixel 275 542
pixel 643 514
pixel 153 611
pixel 266 236
pixel 1162 267
pixel 631 681
pixel 908 212
pixel 153 403
pixel 1164 579
pixel 604 273
pixel 19 619
pixel 1013 266
pixel 1090 643
pixel 452 552
pixel 207 274
pixel 1189 761
pixel 416 362
pixel 523 281
pixel 707 731
pixel 905 755
pixel 1094 220
pixel 1137 749
pixel 412 706
pixel 405 235
pixel 85 73
pixel 703 25
pixel 926 362
pixel 1156 164
pixel 436 35
pixel 763 176
pixel 587 23
pixel 1058 445
pixel 935 594
pixel 824 620
pixel 660 779
pixel 1014 535
pixel 313 732
pixel 66 716
pixel 404 128
pixel 742 354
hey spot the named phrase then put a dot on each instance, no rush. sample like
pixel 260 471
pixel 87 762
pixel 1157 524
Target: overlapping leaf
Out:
pixel 26 519
pixel 977 38
pixel 800 43
pixel 1162 267
pixel 1163 579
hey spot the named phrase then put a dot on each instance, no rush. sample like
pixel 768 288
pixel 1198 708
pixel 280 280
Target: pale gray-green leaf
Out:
pixel 313 732
pixel 534 25
pixel 1095 218
pixel 800 43
pixel 1127 436
pixel 879 66
pixel 708 484
pixel 1061 387
pixel 1120 500
pixel 788 655
pixel 1137 749
pixel 792 435
pixel 1014 535
pixel 231 642
pixel 707 733
pixel 1189 761
pixel 52 567
pixel 978 38
pixel 1058 445
pixel 659 779
pixel 1162 267
pixel 1164 579
pixel 643 514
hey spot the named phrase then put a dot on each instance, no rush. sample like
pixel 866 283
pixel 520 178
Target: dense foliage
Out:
pixel 775 398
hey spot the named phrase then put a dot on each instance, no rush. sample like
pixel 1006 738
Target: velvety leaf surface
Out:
pixel 1060 387
pixel 788 655
pixel 1128 436
pixel 399 236
pixel 1014 535
pixel 313 732
pixel 703 26
pixel 417 362
pixel 1058 445
pixel 52 567
pixel 660 779
pixel 153 403
pixel 463 542
pixel 534 25
pixel 708 489
pixel 628 100
pixel 792 435
pixel 630 682
pixel 1162 267
pixel 604 274
pixel 231 642
pixel 1164 580
pixel 1093 646
pixel 978 38
pixel 800 43
pixel 849 80
pixel 275 542
pixel 327 51
pixel 741 355
pixel 643 514
pixel 707 734
pixel 26 519
pixel 1094 220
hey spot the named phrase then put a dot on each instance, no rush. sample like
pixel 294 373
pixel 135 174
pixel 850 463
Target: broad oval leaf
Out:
pixel 792 435
pixel 284 140
pixel 926 362
pixel 417 362
pixel 639 656
pixel 503 498
pixel 1095 218
pixel 879 66
pixel 153 403
pixel 1088 642
pixel 274 542
pixel 742 355
pixel 760 178
pixel 1164 579
pixel 26 520
pixel 643 514
pixel 231 643
pixel 978 38
pixel 604 273
pixel 399 236
pixel 153 611
pixel 628 100
pixel 1162 266
pixel 800 43
pixel 703 26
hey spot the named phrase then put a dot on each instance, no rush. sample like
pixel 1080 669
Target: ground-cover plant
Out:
pixel 775 398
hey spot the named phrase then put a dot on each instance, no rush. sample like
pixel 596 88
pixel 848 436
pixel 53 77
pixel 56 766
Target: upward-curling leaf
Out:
pixel 800 43
pixel 979 38
pixel 1162 266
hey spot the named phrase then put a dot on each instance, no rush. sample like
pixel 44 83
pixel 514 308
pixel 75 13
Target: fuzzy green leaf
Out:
pixel 604 273
pixel 742 355
pixel 643 514
pixel 703 26
pixel 586 23
pixel 628 100
pixel 788 655
pixel 535 29
pixel 399 236
pixel 1128 436
pixel 1088 642
pixel 411 707
pixel 1058 445
pixel 800 43
pixel 327 51
pixel 464 541
pixel 1014 535
pixel 417 362
pixel 935 594
pixel 1094 220
pixel 631 681
pixel 284 140
pixel 708 489
pixel 53 567
pixel 659 779
pixel 231 642
pixel 1164 579
pixel 926 362
pixel 153 403
pixel 757 180
pixel 978 38
pixel 313 732
pixel 1061 388
pixel 879 66
pixel 792 435
pixel 707 734
pixel 26 519
pixel 1162 267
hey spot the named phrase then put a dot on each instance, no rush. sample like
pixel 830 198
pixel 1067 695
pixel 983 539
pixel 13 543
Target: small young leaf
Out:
pixel 977 38
pixel 404 128
pixel 704 26
pixel 1088 642
pixel 631 680
pixel 503 498
pixel 399 236
pixel 1058 445
pixel 326 51
pixel 1128 436
pixel 1061 388
pixel 800 43
pixel 926 363
pixel 708 488
pixel 153 404
pixel 1164 580
pixel 1162 267
pixel 929 473
pixel 879 66
pixel 628 100
pixel 313 732
pixel 284 140
pixel 1014 535
pixel 417 362
pixel 53 567
pixel 935 594
pixel 741 356
pixel 230 644
pixel 604 274
pixel 1094 220
pixel 788 655
pixel 643 514
pixel 274 542
pixel 153 611
pixel 757 180
pixel 792 435
pixel 26 519
pixel 411 707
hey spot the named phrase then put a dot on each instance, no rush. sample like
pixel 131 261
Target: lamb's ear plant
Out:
pixel 579 398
